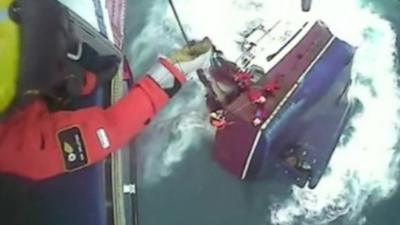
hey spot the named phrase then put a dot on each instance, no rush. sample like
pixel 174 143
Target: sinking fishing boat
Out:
pixel 301 72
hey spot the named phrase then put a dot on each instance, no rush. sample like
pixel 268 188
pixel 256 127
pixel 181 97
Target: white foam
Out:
pixel 177 130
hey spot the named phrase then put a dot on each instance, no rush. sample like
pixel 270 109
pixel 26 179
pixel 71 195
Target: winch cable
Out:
pixel 184 35
pixel 171 3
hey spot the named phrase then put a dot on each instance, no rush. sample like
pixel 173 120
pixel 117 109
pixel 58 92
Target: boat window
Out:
pixel 273 55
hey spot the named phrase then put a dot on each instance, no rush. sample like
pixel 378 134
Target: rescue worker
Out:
pixel 218 119
pixel 38 144
pixel 256 96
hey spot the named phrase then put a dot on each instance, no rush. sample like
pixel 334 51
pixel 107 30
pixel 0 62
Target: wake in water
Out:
pixel 361 168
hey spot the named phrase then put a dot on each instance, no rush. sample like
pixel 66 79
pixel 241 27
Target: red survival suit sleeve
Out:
pixel 37 144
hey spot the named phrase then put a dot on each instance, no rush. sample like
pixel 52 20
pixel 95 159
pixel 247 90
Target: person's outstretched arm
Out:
pixel 37 144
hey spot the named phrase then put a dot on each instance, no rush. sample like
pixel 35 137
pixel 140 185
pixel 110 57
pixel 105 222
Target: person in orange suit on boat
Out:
pixel 37 143
pixel 257 98
pixel 218 119
pixel 260 115
pixel 243 79
pixel 271 86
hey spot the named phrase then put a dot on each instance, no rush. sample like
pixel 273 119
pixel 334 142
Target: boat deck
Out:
pixel 241 137
pixel 287 73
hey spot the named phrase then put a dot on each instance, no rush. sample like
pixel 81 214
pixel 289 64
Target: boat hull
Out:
pixel 312 118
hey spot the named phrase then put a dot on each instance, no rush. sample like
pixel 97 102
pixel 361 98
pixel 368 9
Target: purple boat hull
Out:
pixel 313 119
pixel 308 119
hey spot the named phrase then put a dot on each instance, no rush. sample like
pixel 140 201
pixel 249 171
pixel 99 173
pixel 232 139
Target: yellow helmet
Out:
pixel 9 55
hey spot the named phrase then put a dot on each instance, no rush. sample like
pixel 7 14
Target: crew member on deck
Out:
pixel 243 79
pixel 36 143
pixel 260 115
pixel 257 98
pixel 271 86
